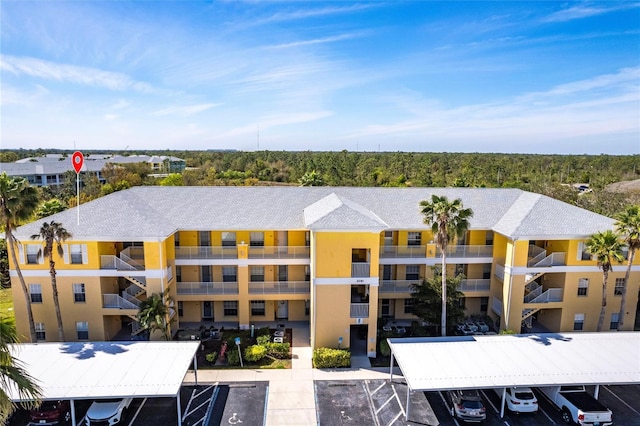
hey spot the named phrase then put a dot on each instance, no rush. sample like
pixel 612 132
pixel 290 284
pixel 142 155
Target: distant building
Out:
pixel 50 169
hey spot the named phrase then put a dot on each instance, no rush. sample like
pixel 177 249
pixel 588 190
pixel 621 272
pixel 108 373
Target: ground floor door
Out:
pixel 207 310
pixel 283 309
pixel 358 340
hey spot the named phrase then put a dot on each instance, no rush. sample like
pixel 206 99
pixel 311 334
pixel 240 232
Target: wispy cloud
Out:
pixel 275 120
pixel 85 76
pixel 184 110
pixel 312 13
pixel 586 11
pixel 331 39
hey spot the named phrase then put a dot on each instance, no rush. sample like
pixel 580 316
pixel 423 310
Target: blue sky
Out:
pixel 526 77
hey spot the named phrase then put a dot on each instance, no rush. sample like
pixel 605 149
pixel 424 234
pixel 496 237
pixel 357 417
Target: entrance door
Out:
pixel 207 310
pixel 283 309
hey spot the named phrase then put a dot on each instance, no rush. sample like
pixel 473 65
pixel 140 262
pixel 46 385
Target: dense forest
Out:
pixel 551 175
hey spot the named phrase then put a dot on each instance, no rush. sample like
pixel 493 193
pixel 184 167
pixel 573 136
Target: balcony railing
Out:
pixel 115 301
pixel 496 306
pixel 279 287
pixel 359 310
pixel 206 252
pixel 108 261
pixel 499 272
pixel 403 251
pixel 186 288
pixel 475 285
pixel 360 270
pixel 397 286
pixel 467 251
pixel 551 295
pixel 279 252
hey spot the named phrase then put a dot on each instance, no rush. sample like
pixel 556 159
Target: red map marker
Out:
pixel 78 161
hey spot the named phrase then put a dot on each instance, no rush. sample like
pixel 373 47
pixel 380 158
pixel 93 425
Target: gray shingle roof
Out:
pixel 148 213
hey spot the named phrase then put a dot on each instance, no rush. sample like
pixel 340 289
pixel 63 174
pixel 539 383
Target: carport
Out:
pixel 96 370
pixel 544 359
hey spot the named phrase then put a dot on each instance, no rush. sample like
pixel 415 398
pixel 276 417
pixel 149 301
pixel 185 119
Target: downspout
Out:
pixel 507 303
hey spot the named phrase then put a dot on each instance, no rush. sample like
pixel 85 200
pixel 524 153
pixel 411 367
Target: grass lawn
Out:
pixel 6 303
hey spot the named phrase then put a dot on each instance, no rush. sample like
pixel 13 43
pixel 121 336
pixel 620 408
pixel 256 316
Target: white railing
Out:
pixel 534 250
pixel 532 295
pixel 360 270
pixel 169 273
pixel 359 310
pixel 206 252
pixel 496 306
pixel 403 251
pixel 138 266
pixel 131 299
pixel 134 252
pixel 551 295
pixel 134 290
pixel 109 261
pixel 531 286
pixel 554 259
pixel 139 281
pixel 207 288
pixel 397 286
pixel 499 271
pixel 467 251
pixel 280 287
pixel 537 258
pixel 478 284
pixel 279 252
pixel 116 301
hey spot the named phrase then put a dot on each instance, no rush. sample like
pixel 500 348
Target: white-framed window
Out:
pixel 75 254
pixel 35 290
pixel 205 238
pixel 258 307
pixel 256 239
pixel 578 322
pixel 178 273
pixel 619 287
pixel 32 254
pixel 583 254
pixel 41 333
pixel 484 304
pixel 230 308
pixel 82 329
pixel 613 325
pixel 583 286
pixel 414 238
pixel 229 274
pixel 205 274
pixel 408 306
pixel 79 295
pixel 412 272
pixel 257 274
pixel 228 239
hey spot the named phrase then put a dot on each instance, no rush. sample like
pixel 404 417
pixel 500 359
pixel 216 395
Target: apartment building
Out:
pixel 339 258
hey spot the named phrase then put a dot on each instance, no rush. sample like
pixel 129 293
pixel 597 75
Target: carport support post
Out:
pixel 406 415
pixel 391 367
pixel 195 368
pixel 73 413
pixel 179 411
pixel 504 395
pixel 596 392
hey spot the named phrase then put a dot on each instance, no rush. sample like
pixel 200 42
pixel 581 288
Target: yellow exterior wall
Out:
pixel 334 249
pixel 476 238
pixel 296 311
pixel 332 317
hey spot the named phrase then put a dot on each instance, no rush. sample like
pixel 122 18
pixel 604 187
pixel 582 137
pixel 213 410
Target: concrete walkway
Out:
pixel 291 397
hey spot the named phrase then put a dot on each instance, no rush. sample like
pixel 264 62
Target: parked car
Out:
pixel 482 326
pixel 467 405
pixel 51 413
pixel 471 326
pixel 519 400
pixel 107 411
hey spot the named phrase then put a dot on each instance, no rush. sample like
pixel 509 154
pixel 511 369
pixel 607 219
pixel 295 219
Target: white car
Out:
pixel 107 411
pixel 520 400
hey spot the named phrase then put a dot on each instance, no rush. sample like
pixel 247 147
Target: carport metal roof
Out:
pixel 94 370
pixel 544 359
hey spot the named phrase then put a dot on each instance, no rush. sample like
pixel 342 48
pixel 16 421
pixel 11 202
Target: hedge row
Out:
pixel 331 358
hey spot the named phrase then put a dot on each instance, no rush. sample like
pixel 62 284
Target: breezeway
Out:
pixel 542 359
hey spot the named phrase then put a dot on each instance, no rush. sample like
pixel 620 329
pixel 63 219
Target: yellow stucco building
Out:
pixel 337 258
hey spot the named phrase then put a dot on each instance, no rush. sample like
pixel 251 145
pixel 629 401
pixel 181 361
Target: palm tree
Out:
pixel 153 314
pixel 18 200
pixel 53 234
pixel 449 220
pixel 13 374
pixel 606 248
pixel 628 226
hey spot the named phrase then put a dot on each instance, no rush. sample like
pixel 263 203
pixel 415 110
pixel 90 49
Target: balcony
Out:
pixel 360 270
pixel 549 296
pixel 206 252
pixel 108 261
pixel 279 287
pixel 115 301
pixel 197 288
pixel 279 252
pixel 466 251
pixel 359 310
pixel 410 252
pixel 397 286
pixel 470 285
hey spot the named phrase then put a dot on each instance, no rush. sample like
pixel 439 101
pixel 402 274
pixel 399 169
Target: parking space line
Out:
pixel 378 388
pixel 398 399
pixel 542 410
pixel 385 404
pixel 444 401
pixel 489 401
pixel 365 385
pixel 394 419
pixel 621 400
pixel 135 416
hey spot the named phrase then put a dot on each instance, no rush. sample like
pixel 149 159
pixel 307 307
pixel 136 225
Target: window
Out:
pixel 179 274
pixel 231 308
pixel 462 302
pixel 205 238
pixel 460 269
pixel 78 293
pixel 307 273
pixel 229 274
pixel 412 272
pixel 228 239
pixel 180 308
pixel 283 273
pixel 82 328
pixel 408 306
pixel 613 325
pixel 257 273
pixel 414 238
pixel 205 274
pixel 619 287
pixel 489 238
pixel 77 254
pixel 385 309
pixel 386 272
pixel 486 271
pixel 41 334
pixel 176 239
pixel 582 252
pixel 32 254
pixel 484 304
pixel 307 308
pixel 578 322
pixel 257 307
pixel 583 286
pixel 256 239
pixel 36 293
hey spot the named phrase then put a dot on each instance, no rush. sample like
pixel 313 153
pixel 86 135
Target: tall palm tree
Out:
pixel 448 220
pixel 18 200
pixel 606 248
pixel 628 226
pixel 153 314
pixel 13 374
pixel 53 235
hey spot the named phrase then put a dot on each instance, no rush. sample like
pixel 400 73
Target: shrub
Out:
pixel 211 357
pixel 278 350
pixel 263 331
pixel 385 350
pixel 233 358
pixel 263 339
pixel 331 358
pixel 255 353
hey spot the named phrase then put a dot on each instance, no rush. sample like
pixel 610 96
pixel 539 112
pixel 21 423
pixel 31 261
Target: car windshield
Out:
pixel 47 406
pixel 524 395
pixel 471 405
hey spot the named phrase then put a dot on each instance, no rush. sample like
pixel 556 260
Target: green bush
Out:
pixel 263 339
pixel 255 353
pixel 233 358
pixel 331 358
pixel 211 357
pixel 278 350
pixel 264 331
pixel 385 350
